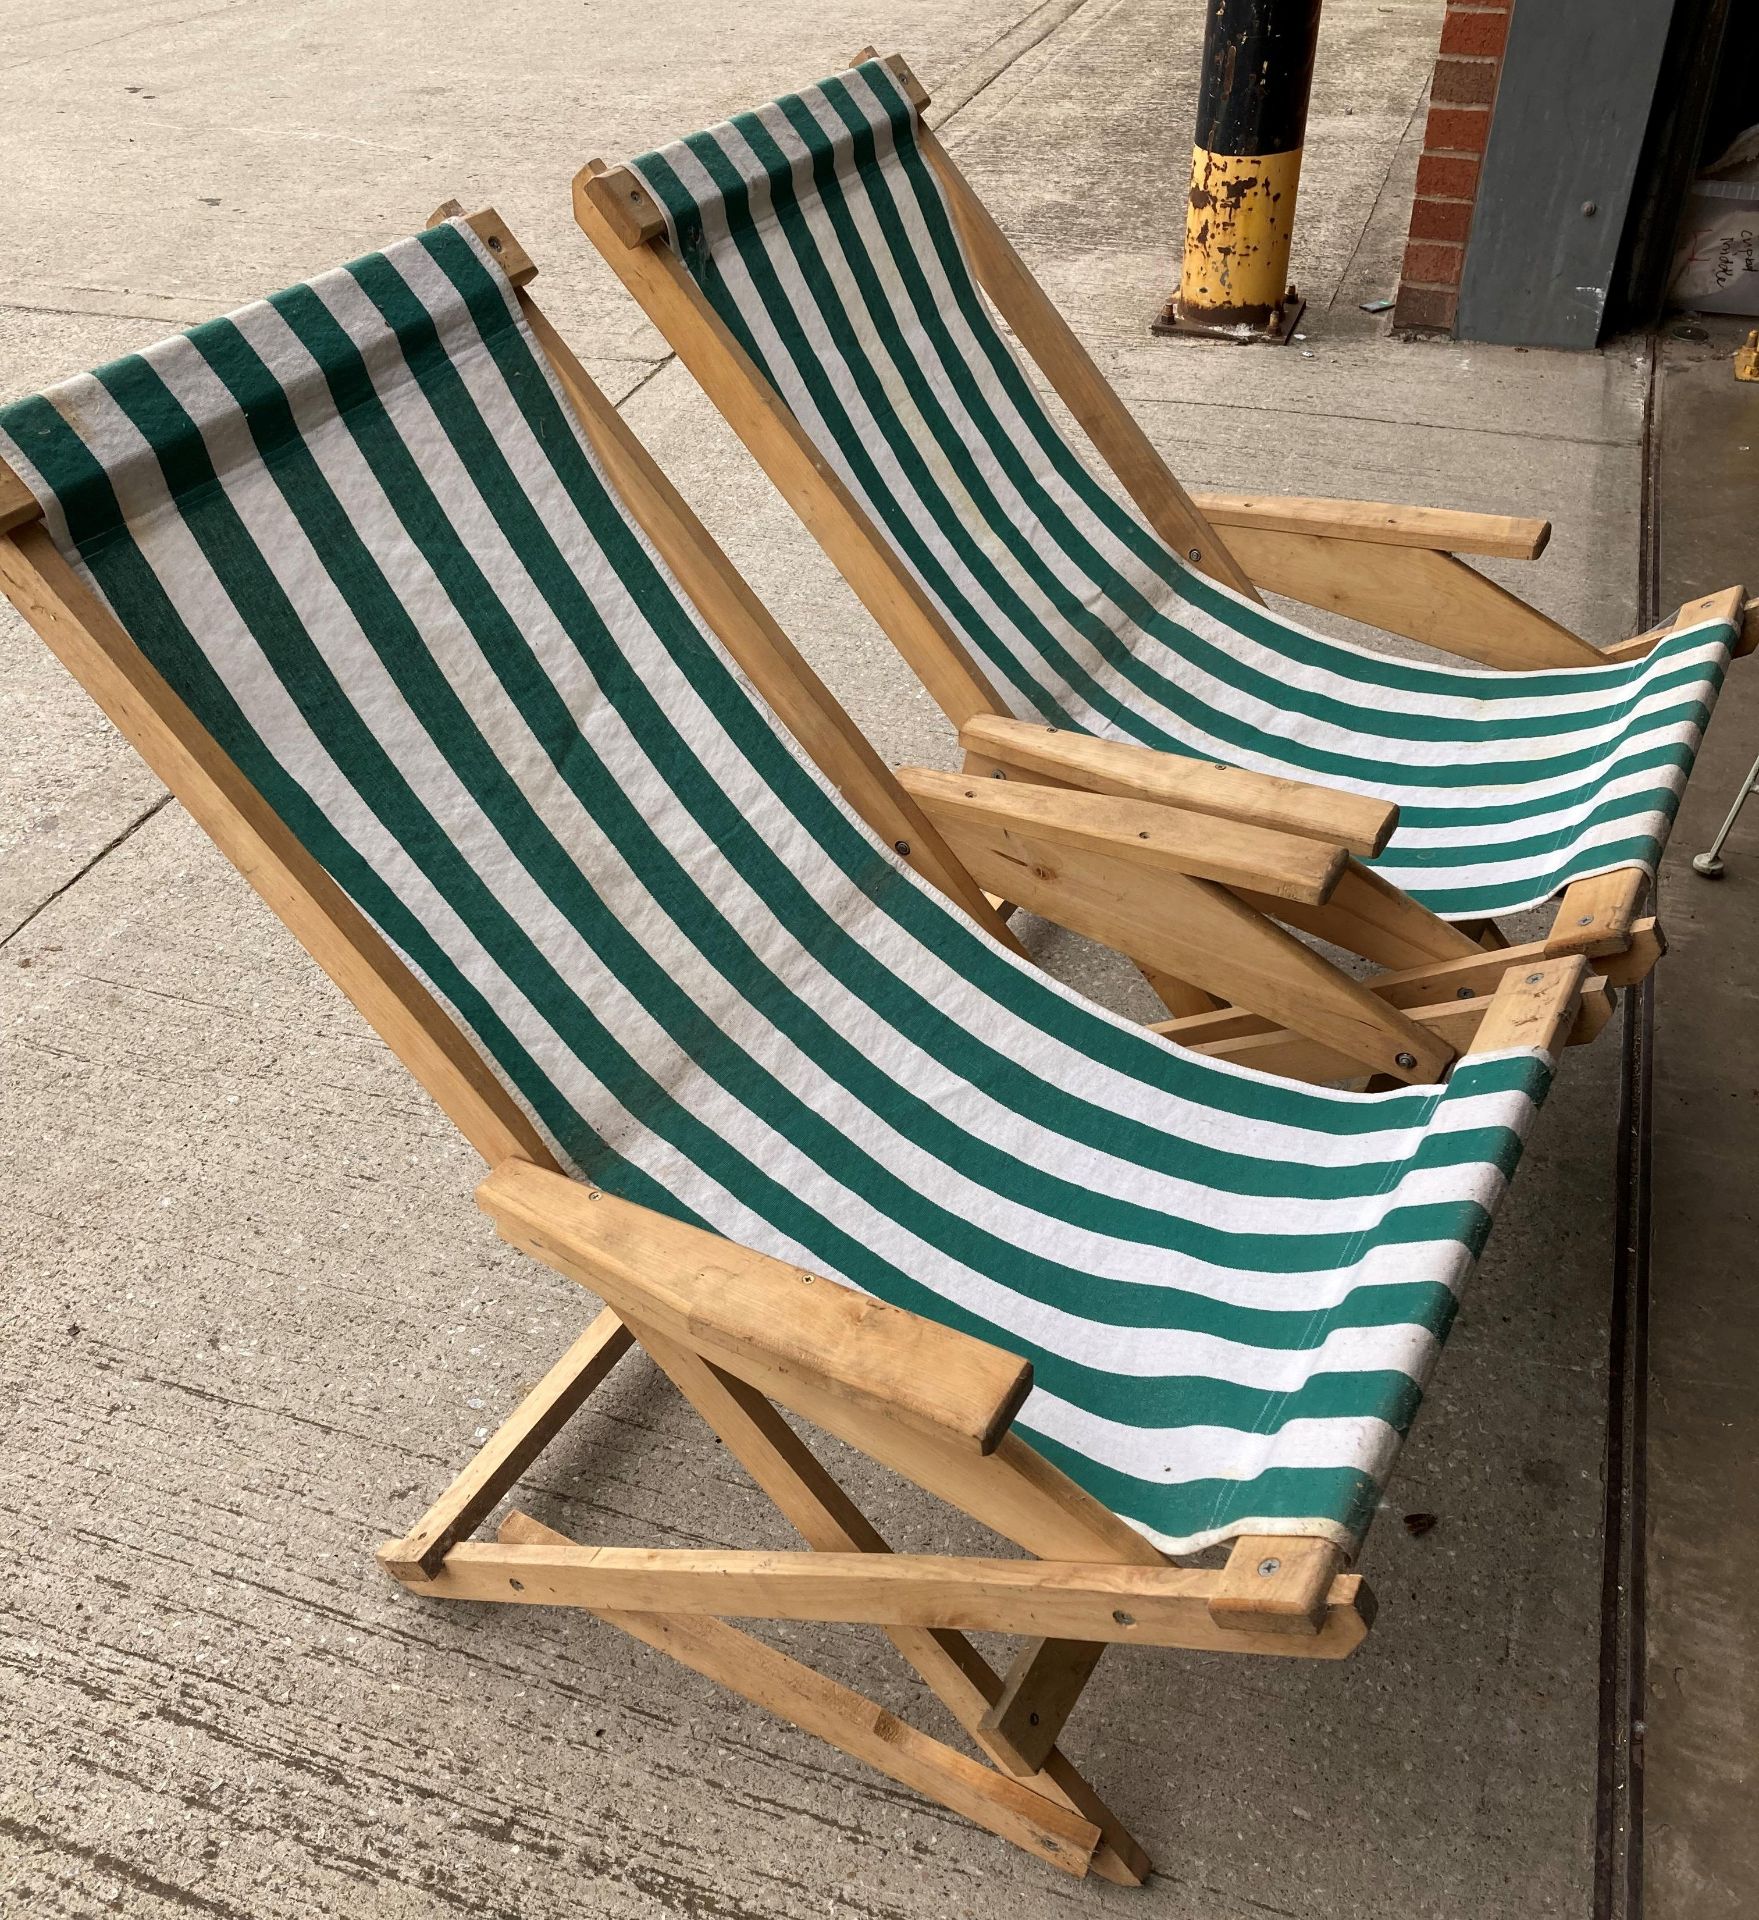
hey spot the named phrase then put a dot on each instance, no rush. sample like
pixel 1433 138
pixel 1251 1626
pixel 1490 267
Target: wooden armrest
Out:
pixel 1353 821
pixel 1149 834
pixel 1380 523
pixel 731 1304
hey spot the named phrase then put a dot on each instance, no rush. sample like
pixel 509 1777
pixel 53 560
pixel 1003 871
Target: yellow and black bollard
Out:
pixel 1245 168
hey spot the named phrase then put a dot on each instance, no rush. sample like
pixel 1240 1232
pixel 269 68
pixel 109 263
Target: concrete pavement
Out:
pixel 253 1321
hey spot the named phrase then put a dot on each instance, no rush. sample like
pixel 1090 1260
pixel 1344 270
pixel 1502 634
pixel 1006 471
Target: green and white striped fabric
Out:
pixel 817 230
pixel 357 529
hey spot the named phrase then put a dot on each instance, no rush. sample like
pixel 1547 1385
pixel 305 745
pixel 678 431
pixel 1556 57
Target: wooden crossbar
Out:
pixel 1427 990
pixel 819 1705
pixel 481 1487
pixel 1144 1606
pixel 787 1470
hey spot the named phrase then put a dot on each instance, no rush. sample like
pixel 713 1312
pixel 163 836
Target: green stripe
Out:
pixel 1442 1230
pixel 1345 1494
pixel 846 163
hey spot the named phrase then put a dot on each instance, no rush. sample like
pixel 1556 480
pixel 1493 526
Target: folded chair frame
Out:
pixel 742 1335
pixel 1226 838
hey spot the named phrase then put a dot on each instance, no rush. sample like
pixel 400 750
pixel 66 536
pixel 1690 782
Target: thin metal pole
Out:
pixel 1709 863
pixel 1245 171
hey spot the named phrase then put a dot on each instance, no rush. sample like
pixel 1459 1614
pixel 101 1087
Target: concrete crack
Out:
pixel 128 832
pixel 977 76
pixel 1398 147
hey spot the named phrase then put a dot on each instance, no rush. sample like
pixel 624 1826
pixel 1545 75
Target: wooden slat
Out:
pixel 1077 381
pixel 1598 915
pixel 1534 1006
pixel 1381 523
pixel 653 273
pixel 514 1445
pixel 1426 596
pixel 750 634
pixel 1143 1606
pixel 1276 1583
pixel 829 1521
pixel 728 1302
pixel 1204 934
pixel 1150 835
pixel 18 505
pixel 1350 820
pixel 851 1723
pixel 1270 1048
pixel 1041 1691
pixel 1370 916
pixel 85 636
pixel 1436 983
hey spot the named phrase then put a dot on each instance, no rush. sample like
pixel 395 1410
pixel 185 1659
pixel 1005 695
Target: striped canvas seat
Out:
pixel 358 530
pixel 817 230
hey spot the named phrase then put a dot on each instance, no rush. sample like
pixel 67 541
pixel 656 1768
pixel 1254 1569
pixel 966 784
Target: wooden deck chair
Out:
pixel 821 266
pixel 381 586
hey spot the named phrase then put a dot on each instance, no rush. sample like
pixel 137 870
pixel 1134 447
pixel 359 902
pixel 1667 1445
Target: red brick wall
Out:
pixel 1460 101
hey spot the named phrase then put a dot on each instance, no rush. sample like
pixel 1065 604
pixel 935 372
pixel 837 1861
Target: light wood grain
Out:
pixel 1143 1606
pixel 830 1522
pixel 1356 822
pixel 1200 933
pixel 1597 916
pixel 491 1475
pixel 1434 985
pixel 1381 523
pixel 1534 1006
pixel 728 1302
pixel 1271 1049
pixel 1431 597
pixel 1042 1689
pixel 1368 915
pixel 1149 835
pixel 1276 1583
pixel 1730 604
pixel 850 1722
pixel 18 505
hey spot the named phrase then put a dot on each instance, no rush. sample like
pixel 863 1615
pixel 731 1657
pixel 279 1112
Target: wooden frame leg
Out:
pixel 1041 1804
pixel 1223 941
pixel 491 1475
pixel 1042 1689
pixel 854 1724
pixel 829 1521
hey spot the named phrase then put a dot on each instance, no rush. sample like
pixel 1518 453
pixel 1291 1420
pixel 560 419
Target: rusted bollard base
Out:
pixel 1275 329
